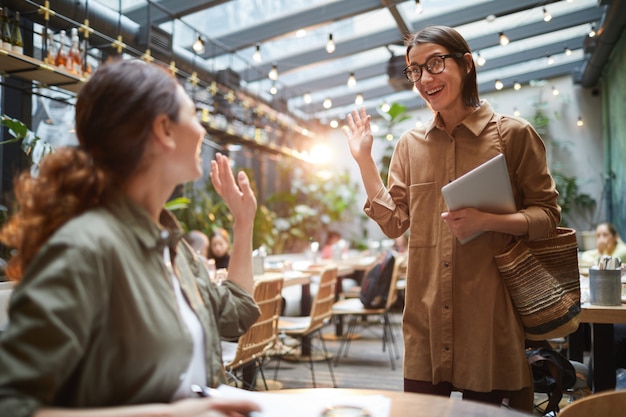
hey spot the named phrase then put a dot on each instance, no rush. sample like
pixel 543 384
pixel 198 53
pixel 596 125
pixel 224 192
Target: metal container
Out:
pixel 605 287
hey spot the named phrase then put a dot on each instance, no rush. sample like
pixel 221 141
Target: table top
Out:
pixel 416 405
pixel 603 314
pixel 290 277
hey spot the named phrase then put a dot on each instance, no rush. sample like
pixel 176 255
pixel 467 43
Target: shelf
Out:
pixel 13 64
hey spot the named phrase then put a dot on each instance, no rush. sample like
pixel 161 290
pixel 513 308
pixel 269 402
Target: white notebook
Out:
pixel 486 187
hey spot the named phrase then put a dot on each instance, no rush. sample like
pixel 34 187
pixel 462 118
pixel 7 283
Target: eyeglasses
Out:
pixel 435 65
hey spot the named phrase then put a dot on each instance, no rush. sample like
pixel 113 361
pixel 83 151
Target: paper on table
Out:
pixel 310 404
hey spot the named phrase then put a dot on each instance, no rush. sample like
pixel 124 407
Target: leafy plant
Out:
pixel 396 114
pixel 29 140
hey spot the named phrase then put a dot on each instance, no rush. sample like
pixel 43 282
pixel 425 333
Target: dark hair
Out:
pixel 115 111
pixel 610 226
pixel 452 40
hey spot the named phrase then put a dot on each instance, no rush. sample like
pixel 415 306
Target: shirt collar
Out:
pixel 141 225
pixel 475 122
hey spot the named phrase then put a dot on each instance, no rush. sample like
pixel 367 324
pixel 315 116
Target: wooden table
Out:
pixel 301 278
pixel 409 404
pixel 601 319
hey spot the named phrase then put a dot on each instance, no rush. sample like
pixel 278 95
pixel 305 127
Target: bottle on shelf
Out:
pixel 6 29
pixel 75 59
pixel 51 49
pixel 61 57
pixel 83 53
pixel 16 35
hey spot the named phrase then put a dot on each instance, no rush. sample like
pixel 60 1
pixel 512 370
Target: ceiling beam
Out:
pixel 316 16
pixel 165 10
pixel 390 36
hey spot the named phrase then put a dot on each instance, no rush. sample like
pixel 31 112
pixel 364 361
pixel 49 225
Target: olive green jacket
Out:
pixel 94 321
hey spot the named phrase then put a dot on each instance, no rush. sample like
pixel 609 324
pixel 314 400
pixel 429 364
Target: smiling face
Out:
pixel 605 239
pixel 443 91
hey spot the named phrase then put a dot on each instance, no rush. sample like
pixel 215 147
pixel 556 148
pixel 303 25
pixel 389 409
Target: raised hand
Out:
pixel 359 134
pixel 238 196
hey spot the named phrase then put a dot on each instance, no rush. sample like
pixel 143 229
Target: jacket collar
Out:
pixel 475 122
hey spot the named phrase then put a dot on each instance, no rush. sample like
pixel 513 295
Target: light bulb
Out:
pixel 480 60
pixel 555 91
pixel 198 46
pixel 550 60
pixel 516 112
pixel 351 80
pixel 517 85
pixel 330 45
pixel 307 98
pixel 256 57
pixel 503 39
pixel 273 89
pixel 385 107
pixel 358 100
pixel 498 84
pixel 592 32
pixel 580 122
pixel 568 51
pixel 418 7
pixel 546 16
pixel 273 75
pixel 334 124
pixel 328 103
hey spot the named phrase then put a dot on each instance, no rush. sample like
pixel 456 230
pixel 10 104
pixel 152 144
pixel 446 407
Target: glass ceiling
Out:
pixel 230 18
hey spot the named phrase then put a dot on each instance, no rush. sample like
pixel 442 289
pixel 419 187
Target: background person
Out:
pixel 460 327
pixel 608 242
pixel 219 248
pixel 110 316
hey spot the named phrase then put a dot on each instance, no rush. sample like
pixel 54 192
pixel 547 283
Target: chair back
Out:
pixel 605 404
pixel 398 267
pixel 264 332
pixel 322 305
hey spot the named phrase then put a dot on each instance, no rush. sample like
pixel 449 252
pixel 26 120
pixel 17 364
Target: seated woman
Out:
pixel 112 315
pixel 608 243
pixel 219 248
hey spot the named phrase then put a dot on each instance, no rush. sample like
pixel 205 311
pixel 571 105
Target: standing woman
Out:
pixel 460 327
pixel 112 314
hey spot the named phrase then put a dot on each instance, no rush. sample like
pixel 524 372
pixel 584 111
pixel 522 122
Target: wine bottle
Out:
pixel 61 58
pixel 51 49
pixel 75 60
pixel 16 35
pixel 6 30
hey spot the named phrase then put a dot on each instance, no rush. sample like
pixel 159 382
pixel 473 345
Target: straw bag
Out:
pixel 544 283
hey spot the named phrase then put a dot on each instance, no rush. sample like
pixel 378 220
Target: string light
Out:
pixel 330 45
pixel 307 98
pixel 351 80
pixel 516 112
pixel 256 57
pixel 273 74
pixel 499 85
pixel 385 107
pixel 480 60
pixel 300 33
pixel 334 124
pixel 503 39
pixel 198 46
pixel 358 100
pixel 550 60
pixel 418 7
pixel 555 91
pixel 580 122
pixel 273 89
pixel 592 32
pixel 546 16
pixel 517 85
pixel 568 51
pixel 328 103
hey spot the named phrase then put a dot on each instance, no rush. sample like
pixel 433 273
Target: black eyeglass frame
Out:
pixel 443 57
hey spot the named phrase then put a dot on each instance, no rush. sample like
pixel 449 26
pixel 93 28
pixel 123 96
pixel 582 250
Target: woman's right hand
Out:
pixel 359 134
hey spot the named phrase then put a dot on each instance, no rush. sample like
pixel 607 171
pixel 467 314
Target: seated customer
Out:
pixel 608 243
pixel 198 241
pixel 332 238
pixel 219 248
pixel 111 315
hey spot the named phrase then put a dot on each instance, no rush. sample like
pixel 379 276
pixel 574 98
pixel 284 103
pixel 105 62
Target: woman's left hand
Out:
pixel 238 196
pixel 464 222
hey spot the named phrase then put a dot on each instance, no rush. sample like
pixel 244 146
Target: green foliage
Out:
pixel 396 114
pixel 310 205
pixel 20 133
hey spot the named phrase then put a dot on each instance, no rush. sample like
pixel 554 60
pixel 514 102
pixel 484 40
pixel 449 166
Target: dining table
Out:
pixel 601 320
pixel 336 402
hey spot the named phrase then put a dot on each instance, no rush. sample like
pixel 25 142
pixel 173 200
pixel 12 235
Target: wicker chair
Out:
pixel 307 328
pixel 249 352
pixel 605 404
